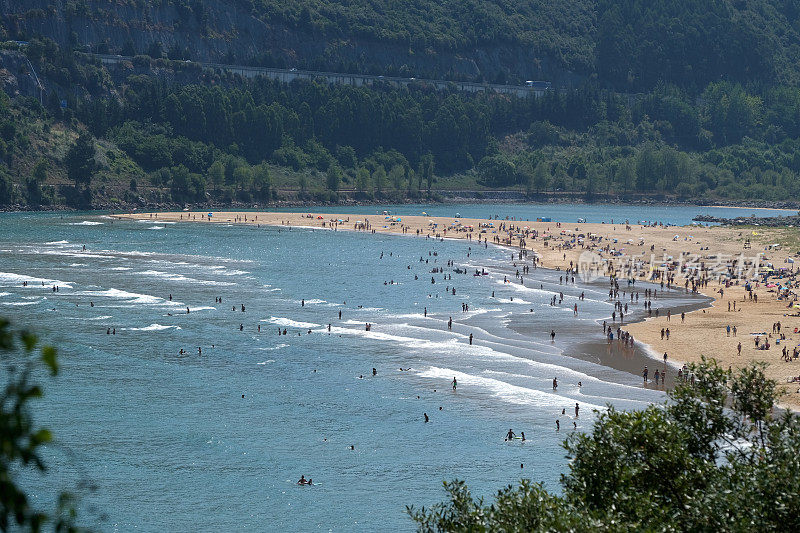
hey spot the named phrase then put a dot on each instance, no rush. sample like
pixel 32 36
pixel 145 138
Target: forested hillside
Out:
pixel 626 45
pixel 675 102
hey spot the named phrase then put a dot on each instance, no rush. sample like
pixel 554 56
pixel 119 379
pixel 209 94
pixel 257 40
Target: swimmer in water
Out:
pixel 510 435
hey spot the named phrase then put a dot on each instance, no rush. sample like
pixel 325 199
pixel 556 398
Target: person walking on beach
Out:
pixel 577 408
pixel 552 335
pixel 739 349
pixel 470 339
pixel 644 374
pixel 555 383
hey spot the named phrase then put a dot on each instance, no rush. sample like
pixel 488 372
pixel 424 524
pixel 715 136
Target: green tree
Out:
pixel 80 162
pixel 21 438
pixel 541 176
pixel 396 175
pixel 715 457
pixel 333 177
pixel 362 180
pixel 626 174
pixel 426 165
pixel 6 188
pixel 216 173
pixel 262 182
pixel 497 171
pixel 33 183
pixel 379 179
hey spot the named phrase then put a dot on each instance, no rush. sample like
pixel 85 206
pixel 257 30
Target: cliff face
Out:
pixel 224 31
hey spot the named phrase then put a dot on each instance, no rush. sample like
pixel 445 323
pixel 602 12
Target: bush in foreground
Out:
pixel 715 458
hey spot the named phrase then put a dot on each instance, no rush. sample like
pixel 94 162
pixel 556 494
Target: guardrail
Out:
pixel 355 80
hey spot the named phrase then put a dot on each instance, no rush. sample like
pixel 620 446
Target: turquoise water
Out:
pixel 216 442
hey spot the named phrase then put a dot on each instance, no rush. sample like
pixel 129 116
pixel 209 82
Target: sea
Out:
pixel 173 411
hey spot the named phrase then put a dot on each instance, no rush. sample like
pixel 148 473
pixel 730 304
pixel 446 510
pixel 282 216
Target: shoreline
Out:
pixel 557 248
pixel 440 198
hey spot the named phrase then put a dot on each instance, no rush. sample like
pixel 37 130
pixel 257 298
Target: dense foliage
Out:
pixel 21 439
pixel 170 131
pixel 690 465
pixel 626 45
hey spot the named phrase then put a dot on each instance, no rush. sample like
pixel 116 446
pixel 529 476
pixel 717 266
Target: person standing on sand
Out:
pixel 739 349
pixel 470 339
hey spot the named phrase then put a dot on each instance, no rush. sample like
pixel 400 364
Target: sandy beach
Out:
pixel 630 251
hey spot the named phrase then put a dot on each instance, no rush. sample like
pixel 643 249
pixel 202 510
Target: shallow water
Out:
pixel 217 441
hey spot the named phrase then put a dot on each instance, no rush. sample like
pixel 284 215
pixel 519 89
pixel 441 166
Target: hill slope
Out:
pixel 626 44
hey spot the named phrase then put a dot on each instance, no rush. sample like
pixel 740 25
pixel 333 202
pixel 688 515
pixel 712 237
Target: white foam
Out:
pixel 133 297
pixel 156 227
pixel 21 303
pixel 86 223
pixel 202 308
pixel 153 327
pixel 120 269
pixel 69 253
pixel 514 301
pixel 266 362
pixel 315 301
pixel 272 348
pixel 289 323
pixel 180 277
pixel 5 293
pixel 504 391
pixel 57 242
pixel 9 278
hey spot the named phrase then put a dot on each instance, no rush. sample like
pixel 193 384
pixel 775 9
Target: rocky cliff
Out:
pixel 227 31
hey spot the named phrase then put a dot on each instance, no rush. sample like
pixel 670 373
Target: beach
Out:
pixel 634 251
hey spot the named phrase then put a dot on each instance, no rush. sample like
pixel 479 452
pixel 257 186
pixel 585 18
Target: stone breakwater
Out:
pixel 772 222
